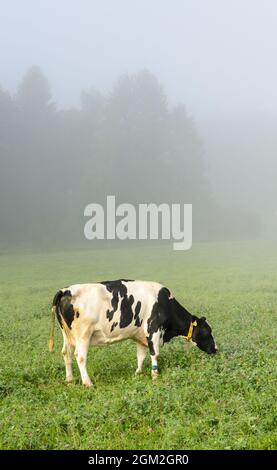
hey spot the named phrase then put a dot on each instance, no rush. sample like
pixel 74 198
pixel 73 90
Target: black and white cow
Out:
pixel 110 311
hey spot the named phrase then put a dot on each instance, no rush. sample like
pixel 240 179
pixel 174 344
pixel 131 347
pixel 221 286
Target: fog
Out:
pixel 150 101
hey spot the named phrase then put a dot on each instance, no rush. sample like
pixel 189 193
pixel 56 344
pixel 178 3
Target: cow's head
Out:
pixel 202 336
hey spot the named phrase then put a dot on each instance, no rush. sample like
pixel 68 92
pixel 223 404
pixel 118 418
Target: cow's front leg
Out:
pixel 154 348
pixel 141 353
pixel 81 353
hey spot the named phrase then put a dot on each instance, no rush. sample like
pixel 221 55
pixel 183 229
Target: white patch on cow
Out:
pixel 82 346
pixel 162 332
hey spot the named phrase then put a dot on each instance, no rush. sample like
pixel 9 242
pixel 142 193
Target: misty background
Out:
pixel 150 101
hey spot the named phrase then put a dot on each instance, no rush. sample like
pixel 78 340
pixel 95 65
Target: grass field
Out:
pixel 226 401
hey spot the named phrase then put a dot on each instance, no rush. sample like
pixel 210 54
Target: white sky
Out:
pixel 216 56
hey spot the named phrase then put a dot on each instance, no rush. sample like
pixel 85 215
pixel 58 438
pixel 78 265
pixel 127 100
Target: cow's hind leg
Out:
pixel 154 348
pixel 81 353
pixel 67 352
pixel 141 353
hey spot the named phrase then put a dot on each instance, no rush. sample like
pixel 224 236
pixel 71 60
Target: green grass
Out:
pixel 227 401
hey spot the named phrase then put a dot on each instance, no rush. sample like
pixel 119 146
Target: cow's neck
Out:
pixel 180 320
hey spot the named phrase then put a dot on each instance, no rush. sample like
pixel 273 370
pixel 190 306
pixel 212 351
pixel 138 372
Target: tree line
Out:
pixel 129 143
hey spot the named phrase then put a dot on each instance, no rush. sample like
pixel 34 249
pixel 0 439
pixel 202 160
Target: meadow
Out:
pixel 226 401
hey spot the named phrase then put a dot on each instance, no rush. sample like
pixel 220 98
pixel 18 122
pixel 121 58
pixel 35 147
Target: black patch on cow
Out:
pixel 63 307
pixel 116 286
pixel 77 314
pixel 66 309
pixel 126 315
pixel 151 347
pixel 159 312
pixel 56 303
pixel 202 335
pixel 158 317
pixel 57 298
pixel 110 314
pixel 169 315
pixel 138 321
pixel 118 290
pixel 114 302
pixel 114 325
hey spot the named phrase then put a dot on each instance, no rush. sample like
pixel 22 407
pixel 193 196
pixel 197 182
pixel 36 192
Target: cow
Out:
pixel 110 311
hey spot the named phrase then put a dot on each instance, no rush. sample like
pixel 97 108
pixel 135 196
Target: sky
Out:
pixel 216 56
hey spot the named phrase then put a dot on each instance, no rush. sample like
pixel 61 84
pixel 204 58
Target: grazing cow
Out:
pixel 110 311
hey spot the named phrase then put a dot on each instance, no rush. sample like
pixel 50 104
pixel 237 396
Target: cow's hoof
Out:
pixel 155 376
pixel 138 371
pixel 88 384
pixel 69 380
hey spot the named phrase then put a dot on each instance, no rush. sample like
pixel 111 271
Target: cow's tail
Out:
pixel 55 306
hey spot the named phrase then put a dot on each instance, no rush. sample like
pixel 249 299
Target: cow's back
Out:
pixel 113 310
